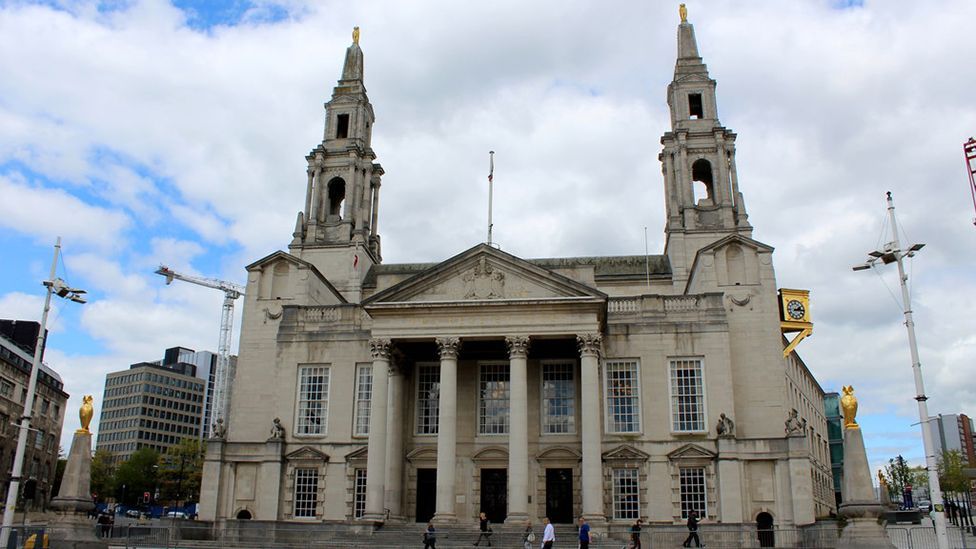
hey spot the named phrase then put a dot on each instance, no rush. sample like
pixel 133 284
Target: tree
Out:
pixel 952 472
pixel 180 471
pixel 136 475
pixel 59 472
pixel 102 474
pixel 898 475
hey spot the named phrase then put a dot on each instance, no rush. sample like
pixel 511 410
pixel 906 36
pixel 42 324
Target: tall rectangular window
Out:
pixel 695 107
pixel 364 392
pixel 359 494
pixel 428 398
pixel 6 388
pixel 623 396
pixel 558 398
pixel 626 504
pixel 494 395
pixel 687 395
pixel 692 490
pixel 342 126
pixel 306 492
pixel 313 400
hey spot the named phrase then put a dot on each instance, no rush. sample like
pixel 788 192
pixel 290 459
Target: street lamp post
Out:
pixel 54 286
pixel 893 253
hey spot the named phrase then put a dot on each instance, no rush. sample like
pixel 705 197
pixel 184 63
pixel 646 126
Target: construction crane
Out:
pixel 222 378
pixel 969 149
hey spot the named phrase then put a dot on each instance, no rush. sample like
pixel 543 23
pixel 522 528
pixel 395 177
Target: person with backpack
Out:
pixel 692 530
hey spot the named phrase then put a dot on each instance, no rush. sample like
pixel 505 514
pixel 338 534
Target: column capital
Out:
pixel 380 348
pixel 448 347
pixel 518 346
pixel 589 344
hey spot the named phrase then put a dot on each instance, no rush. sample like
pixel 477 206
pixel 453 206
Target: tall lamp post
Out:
pixel 893 253
pixel 61 289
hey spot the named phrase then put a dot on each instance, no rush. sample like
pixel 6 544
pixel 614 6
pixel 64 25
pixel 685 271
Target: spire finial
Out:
pixel 683 13
pixel 355 34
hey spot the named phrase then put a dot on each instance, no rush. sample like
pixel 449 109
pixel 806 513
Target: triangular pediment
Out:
pixel 280 262
pixel 357 455
pixel 625 452
pixel 691 452
pixel 307 454
pixel 484 273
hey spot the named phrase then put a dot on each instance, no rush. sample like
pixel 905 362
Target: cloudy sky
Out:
pixel 150 132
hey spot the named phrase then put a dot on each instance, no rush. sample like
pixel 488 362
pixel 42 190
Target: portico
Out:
pixel 481 317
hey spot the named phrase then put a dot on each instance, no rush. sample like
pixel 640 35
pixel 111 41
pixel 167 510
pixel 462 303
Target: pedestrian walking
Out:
pixel 635 530
pixel 584 534
pixel 548 535
pixel 485 530
pixel 430 537
pixel 528 537
pixel 693 529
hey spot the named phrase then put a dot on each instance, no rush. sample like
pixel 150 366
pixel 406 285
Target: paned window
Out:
pixel 625 494
pixel 687 395
pixel 558 398
pixel 493 405
pixel 692 490
pixel 364 391
pixel 359 495
pixel 428 398
pixel 306 492
pixel 6 388
pixel 623 396
pixel 313 400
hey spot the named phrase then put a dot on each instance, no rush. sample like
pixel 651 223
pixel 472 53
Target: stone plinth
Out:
pixel 860 508
pixel 71 528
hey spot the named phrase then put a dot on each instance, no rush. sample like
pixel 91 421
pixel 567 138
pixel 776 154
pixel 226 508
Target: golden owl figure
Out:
pixel 683 13
pixel 355 35
pixel 85 413
pixel 848 403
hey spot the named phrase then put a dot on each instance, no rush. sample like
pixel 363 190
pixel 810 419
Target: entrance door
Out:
pixel 426 494
pixel 559 496
pixel 494 494
pixel 764 528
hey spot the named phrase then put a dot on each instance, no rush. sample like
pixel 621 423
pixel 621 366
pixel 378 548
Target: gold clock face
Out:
pixel 795 309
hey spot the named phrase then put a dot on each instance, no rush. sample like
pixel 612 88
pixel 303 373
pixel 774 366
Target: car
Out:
pixel 924 505
pixel 176 515
pixel 133 513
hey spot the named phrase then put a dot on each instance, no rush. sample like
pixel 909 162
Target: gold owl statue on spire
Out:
pixel 355 35
pixel 848 404
pixel 683 13
pixel 85 414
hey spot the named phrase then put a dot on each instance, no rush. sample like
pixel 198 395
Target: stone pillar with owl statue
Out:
pixel 70 528
pixel 860 508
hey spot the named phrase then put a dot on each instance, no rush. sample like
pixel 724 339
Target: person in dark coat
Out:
pixel 692 530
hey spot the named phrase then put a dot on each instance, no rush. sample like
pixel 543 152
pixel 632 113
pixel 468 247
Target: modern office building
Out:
pixel 151 405
pixel 17 343
pixel 613 388
pixel 954 432
pixel 835 437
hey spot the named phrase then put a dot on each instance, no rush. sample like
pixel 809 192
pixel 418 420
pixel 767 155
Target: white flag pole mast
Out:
pixel 491 173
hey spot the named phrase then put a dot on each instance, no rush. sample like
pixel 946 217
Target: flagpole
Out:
pixel 491 173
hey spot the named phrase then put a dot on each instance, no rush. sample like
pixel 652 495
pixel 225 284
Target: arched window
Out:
pixel 337 194
pixel 244 514
pixel 701 176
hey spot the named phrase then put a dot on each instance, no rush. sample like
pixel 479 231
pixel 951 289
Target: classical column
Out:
pixel 376 451
pixel 308 190
pixel 375 210
pixel 447 430
pixel 394 443
pixel 589 348
pixel 518 430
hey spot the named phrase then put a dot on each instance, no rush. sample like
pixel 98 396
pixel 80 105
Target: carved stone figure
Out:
pixel 85 413
pixel 218 430
pixel 484 282
pixel 795 427
pixel 277 431
pixel 848 403
pixel 725 426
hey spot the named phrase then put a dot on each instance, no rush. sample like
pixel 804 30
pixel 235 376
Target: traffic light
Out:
pixel 145 497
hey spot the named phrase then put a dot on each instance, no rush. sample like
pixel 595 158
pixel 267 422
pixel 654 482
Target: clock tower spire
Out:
pixel 702 195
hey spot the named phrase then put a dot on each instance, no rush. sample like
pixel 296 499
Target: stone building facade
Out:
pixel 613 388
pixel 17 343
